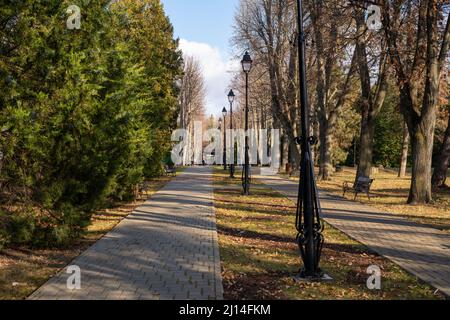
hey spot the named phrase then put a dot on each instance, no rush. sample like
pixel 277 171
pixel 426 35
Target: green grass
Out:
pixel 259 254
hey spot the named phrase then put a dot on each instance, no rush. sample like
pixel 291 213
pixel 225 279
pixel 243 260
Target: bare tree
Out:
pixel 268 28
pixel 335 63
pixel 418 63
pixel 192 92
pixel 372 96
pixel 191 100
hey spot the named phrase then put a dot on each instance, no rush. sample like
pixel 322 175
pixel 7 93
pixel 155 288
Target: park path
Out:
pixel 167 249
pixel 423 251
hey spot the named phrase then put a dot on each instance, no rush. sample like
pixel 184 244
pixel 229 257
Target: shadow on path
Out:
pixel 421 250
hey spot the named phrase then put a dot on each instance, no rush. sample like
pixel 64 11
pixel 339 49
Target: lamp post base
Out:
pixel 321 277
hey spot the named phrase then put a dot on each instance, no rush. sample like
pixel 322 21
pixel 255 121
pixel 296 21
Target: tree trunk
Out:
pixel 422 150
pixel 366 148
pixel 326 167
pixel 316 134
pixel 284 152
pixel 295 155
pixel 405 150
pixel 440 171
pixel 422 136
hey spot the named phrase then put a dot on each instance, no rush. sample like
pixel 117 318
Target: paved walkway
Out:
pixel 423 251
pixel 167 249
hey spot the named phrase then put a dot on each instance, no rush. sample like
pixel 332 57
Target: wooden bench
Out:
pixel 170 170
pixel 362 185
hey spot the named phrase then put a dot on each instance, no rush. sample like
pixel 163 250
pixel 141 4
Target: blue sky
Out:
pixel 207 21
pixel 205 28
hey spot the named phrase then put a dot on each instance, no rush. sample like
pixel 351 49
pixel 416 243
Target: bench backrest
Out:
pixel 363 184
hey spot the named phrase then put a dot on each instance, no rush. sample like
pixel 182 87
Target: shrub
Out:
pixel 87 118
pixel 22 227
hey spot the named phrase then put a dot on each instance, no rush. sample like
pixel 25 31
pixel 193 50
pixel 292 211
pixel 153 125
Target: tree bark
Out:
pixel 405 151
pixel 366 148
pixel 284 152
pixel 316 134
pixel 295 155
pixel 422 149
pixel 326 166
pixel 442 162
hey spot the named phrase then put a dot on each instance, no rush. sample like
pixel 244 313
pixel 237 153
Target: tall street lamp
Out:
pixel 231 97
pixel 224 112
pixel 246 66
pixel 308 221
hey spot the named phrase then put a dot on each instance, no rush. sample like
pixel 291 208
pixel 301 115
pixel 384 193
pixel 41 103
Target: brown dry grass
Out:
pixel 259 254
pixel 390 194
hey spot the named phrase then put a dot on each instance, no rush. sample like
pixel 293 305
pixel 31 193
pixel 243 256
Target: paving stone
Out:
pixel 152 253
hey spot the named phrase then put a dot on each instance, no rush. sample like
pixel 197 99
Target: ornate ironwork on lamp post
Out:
pixel 231 97
pixel 308 221
pixel 224 112
pixel 246 66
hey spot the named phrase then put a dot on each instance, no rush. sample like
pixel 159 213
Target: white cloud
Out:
pixel 217 70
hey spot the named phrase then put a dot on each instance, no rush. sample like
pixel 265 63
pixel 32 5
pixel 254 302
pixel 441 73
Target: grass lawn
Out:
pixel 259 254
pixel 23 270
pixel 390 193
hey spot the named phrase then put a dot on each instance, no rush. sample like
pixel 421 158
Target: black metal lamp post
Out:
pixel 246 66
pixel 224 112
pixel 231 97
pixel 308 222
